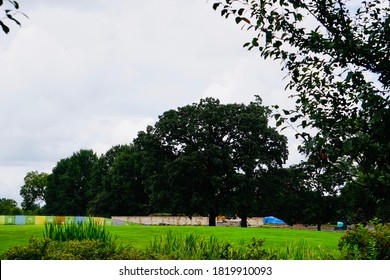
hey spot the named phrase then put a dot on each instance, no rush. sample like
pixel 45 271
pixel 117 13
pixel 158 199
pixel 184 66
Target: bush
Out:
pixel 362 243
pixel 47 249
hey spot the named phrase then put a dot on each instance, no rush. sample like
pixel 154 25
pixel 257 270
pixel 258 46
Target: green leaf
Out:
pixel 347 146
pixel 238 19
pixel 215 6
pixel 349 76
pixel 4 27
pixel 277 44
pixel 11 18
pixel 255 42
pixel 268 36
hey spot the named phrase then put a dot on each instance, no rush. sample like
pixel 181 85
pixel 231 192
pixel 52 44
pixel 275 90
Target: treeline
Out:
pixel 204 159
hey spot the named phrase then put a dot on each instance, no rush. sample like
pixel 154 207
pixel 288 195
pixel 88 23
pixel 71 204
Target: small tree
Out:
pixel 9 207
pixel 33 190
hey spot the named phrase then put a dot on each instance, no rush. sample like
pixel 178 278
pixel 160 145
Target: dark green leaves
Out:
pixel 4 27
pixel 10 15
pixel 216 5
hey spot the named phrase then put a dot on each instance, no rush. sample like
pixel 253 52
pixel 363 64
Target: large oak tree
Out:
pixel 203 158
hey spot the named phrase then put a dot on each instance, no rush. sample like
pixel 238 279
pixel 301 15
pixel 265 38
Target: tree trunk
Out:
pixel 212 219
pixel 244 221
pixel 319 227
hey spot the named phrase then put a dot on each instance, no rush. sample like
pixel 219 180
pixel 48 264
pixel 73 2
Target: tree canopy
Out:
pixel 203 157
pixel 68 184
pixel 33 190
pixel 116 187
pixel 337 58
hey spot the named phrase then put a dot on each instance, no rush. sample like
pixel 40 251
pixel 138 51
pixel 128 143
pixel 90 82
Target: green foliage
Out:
pixel 9 207
pixel 337 58
pixel 33 190
pixel 302 251
pixel 205 156
pixel 363 243
pixel 9 14
pixel 196 247
pixel 117 187
pixel 89 230
pixel 47 249
pixel 67 187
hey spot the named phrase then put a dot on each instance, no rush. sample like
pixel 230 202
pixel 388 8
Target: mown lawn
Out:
pixel 140 236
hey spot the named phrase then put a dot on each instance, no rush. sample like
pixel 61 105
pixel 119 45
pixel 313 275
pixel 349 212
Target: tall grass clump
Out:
pixel 196 247
pixel 302 251
pixel 89 230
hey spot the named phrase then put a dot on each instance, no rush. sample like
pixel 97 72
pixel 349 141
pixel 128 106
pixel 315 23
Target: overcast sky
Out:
pixel 83 74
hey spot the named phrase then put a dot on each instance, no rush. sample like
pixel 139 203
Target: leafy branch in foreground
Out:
pixel 337 58
pixel 9 14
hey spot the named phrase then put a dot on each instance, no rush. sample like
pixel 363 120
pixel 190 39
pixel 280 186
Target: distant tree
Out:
pixel 117 184
pixel 279 191
pixel 68 184
pixel 9 207
pixel 33 190
pixel 337 58
pixel 9 14
pixel 207 155
pixel 322 183
pixel 361 203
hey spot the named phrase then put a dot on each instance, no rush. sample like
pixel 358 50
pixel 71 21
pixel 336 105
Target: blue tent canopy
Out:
pixel 273 221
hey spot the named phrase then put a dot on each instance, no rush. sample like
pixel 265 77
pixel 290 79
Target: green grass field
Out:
pixel 140 236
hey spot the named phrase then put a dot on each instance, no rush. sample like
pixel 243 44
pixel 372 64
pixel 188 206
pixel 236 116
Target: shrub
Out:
pixel 362 243
pixel 47 249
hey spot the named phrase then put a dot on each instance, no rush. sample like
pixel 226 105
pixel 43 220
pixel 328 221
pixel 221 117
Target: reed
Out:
pixel 89 230
pixel 302 251
pixel 197 247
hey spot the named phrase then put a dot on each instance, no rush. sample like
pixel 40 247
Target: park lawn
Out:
pixel 140 236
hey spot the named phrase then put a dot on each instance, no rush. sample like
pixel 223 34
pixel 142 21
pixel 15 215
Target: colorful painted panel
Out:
pixel 79 219
pixel 20 220
pixel 70 220
pixel 40 220
pixel 9 220
pixel 50 219
pixel 30 220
